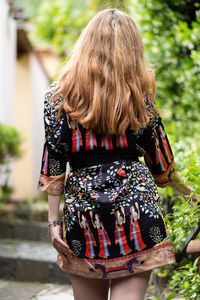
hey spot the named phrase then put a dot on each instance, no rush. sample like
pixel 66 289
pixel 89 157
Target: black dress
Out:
pixel 112 221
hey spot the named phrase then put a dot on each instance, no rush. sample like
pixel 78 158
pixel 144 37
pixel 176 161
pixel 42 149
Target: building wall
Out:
pixel 22 85
pixel 7 63
pixel 39 83
pixel 23 121
pixel 31 83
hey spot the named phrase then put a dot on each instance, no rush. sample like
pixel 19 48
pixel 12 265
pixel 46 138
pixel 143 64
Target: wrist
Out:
pixel 53 218
pixel 186 190
pixel 54 223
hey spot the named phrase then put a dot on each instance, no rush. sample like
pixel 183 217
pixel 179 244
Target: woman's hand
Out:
pixel 192 198
pixel 185 190
pixel 61 247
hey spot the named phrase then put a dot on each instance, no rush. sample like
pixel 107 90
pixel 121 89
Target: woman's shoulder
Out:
pixel 51 104
pixel 50 92
pixel 52 98
pixel 153 116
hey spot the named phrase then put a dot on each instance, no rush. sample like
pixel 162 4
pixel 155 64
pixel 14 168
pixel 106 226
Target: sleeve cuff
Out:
pixel 163 179
pixel 52 186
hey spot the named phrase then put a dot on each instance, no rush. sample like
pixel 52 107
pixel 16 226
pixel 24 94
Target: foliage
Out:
pixel 186 281
pixel 61 22
pixel 10 142
pixel 30 8
pixel 5 192
pixel 170 30
pixel 182 221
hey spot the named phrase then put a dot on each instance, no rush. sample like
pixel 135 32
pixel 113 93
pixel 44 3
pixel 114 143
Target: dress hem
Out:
pixel 120 267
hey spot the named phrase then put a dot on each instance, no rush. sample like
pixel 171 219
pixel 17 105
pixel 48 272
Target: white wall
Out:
pixel 39 83
pixel 7 63
pixel 22 105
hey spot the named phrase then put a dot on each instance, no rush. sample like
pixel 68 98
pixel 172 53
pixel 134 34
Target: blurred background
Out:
pixel 35 38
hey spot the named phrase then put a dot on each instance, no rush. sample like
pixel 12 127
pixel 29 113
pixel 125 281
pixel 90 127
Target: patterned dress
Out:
pixel 112 220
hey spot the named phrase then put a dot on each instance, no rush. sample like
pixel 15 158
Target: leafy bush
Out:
pixel 172 42
pixel 10 142
pixel 186 281
pixel 61 23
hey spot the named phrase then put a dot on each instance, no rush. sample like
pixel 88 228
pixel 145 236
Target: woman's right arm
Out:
pixel 178 185
pixel 159 157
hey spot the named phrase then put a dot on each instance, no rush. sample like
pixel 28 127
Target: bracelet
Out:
pixel 54 223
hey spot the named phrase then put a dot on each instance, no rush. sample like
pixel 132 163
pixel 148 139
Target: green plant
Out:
pixel 60 23
pixel 5 192
pixel 186 281
pixel 170 31
pixel 182 221
pixel 10 141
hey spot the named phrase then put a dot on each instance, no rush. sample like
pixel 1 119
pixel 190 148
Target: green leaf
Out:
pixel 171 296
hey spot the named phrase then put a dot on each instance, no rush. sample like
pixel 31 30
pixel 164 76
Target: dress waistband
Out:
pixel 84 159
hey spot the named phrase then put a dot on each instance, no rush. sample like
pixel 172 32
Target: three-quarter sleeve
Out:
pixel 157 151
pixel 54 158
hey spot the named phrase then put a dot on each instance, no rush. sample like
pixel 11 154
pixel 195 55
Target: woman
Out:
pixel 101 116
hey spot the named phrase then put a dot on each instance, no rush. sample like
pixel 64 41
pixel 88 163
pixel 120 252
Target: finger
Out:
pixel 64 258
pixel 61 250
pixel 65 254
pixel 61 246
pixel 58 240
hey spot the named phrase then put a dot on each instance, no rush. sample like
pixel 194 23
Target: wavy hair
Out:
pixel 104 82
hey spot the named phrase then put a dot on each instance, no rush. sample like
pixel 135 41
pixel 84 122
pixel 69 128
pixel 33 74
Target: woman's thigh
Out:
pixel 88 288
pixel 131 287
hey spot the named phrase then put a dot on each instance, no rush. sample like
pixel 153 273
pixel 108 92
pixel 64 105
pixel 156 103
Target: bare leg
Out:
pixel 90 289
pixel 131 287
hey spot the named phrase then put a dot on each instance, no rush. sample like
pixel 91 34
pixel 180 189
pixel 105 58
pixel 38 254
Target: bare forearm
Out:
pixel 178 185
pixel 54 204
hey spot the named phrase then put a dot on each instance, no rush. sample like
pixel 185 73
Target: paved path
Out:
pixel 16 290
pixel 13 290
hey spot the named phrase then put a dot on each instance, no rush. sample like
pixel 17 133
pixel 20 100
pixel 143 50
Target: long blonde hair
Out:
pixel 104 82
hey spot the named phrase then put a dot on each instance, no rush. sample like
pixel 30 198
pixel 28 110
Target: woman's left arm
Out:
pixel 53 169
pixel 53 204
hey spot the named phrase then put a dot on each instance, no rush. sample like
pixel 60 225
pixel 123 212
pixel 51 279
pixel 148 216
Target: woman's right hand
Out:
pixel 185 190
pixel 61 247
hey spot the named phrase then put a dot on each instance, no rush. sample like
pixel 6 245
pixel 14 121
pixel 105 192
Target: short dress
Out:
pixel 112 218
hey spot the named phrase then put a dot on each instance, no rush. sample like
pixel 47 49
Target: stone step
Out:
pixel 25 211
pixel 24 230
pixel 30 261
